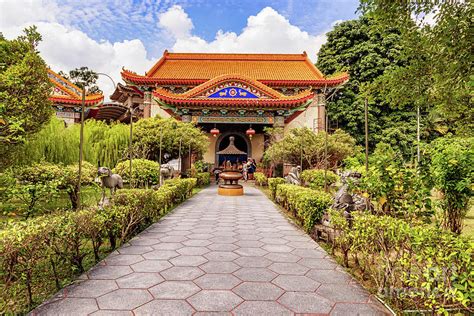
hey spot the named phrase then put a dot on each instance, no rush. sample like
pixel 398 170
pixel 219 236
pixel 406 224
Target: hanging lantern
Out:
pixel 250 132
pixel 215 132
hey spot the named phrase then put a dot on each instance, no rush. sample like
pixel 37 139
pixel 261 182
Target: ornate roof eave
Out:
pixel 121 90
pixel 91 100
pixel 134 78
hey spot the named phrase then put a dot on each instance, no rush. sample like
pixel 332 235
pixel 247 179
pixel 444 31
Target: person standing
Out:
pixel 245 170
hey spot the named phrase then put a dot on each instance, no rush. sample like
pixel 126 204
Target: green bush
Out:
pixel 145 172
pixel 203 179
pixel 260 179
pixel 307 204
pixel 314 178
pixel 273 184
pixel 39 255
pixel 415 267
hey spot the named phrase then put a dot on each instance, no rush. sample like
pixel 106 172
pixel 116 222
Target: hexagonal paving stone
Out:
pixel 329 276
pixel 124 299
pixel 174 290
pixel 258 291
pixel 251 252
pixel 200 236
pixel 168 246
pixel 161 254
pixel 182 273
pixel 105 312
pixel 318 264
pixel 251 308
pixel 255 274
pixel 108 272
pixel 193 251
pixel 90 288
pixel 221 256
pixel 188 261
pixel 222 247
pixel 249 243
pixel 214 300
pixel 151 266
pixel 303 244
pixel 134 250
pixel 274 241
pixel 306 302
pixel 277 248
pixel 173 239
pixel 282 257
pixel 288 268
pixel 224 233
pixel 309 253
pixel 253 262
pixel 343 293
pixel 197 242
pixel 342 309
pixel 219 267
pixel 297 283
pixel 122 260
pixel 223 240
pixel 80 306
pixel 165 308
pixel 139 280
pixel 217 281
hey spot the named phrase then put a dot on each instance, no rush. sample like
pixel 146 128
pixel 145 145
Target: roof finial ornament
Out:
pixel 304 53
pixel 165 52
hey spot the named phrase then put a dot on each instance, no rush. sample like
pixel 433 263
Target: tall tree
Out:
pixel 24 92
pixel 367 51
pixel 83 76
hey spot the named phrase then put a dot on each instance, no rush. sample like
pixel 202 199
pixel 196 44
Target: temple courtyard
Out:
pixel 230 255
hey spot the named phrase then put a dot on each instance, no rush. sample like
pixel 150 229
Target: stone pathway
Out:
pixel 230 255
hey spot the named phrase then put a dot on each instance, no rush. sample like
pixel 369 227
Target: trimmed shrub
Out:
pixel 145 172
pixel 307 205
pixel 314 178
pixel 260 179
pixel 39 255
pixel 273 184
pixel 415 267
pixel 203 179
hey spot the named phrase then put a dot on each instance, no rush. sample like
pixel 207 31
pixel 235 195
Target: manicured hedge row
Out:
pixel 260 179
pixel 314 178
pixel 307 204
pixel 414 267
pixel 203 179
pixel 273 184
pixel 39 256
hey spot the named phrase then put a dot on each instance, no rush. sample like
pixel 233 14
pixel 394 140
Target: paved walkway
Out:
pixel 233 255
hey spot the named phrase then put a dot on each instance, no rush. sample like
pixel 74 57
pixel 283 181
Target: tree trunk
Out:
pixel 74 197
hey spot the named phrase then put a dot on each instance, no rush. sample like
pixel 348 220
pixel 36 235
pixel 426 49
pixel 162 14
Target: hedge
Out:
pixel 39 256
pixel 145 172
pixel 203 179
pixel 273 184
pixel 307 205
pixel 260 179
pixel 314 178
pixel 414 267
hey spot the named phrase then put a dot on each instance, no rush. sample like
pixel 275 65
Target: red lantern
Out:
pixel 250 132
pixel 215 132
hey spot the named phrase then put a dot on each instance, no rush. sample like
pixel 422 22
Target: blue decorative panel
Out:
pixel 233 93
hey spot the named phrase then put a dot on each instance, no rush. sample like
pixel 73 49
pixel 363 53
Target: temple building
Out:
pixel 232 95
pixel 67 98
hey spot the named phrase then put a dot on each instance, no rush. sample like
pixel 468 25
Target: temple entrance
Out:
pixel 233 148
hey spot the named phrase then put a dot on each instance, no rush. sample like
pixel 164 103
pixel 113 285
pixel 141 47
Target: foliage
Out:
pixel 53 249
pixel 273 184
pixel 438 73
pixel 301 144
pixel 414 267
pixel 202 166
pixel 307 204
pixel 148 132
pixel 396 188
pixel 24 92
pixel 145 172
pixel 314 178
pixel 69 180
pixel 203 179
pixel 452 172
pixel 83 76
pixel 260 179
pixel 104 144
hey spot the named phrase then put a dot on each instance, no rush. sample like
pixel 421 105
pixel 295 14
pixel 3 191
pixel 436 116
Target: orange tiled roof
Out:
pixel 196 97
pixel 65 92
pixel 270 69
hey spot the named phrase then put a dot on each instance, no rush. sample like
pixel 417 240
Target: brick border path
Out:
pixel 230 255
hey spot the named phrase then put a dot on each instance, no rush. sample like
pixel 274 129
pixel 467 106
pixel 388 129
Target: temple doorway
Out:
pixel 232 147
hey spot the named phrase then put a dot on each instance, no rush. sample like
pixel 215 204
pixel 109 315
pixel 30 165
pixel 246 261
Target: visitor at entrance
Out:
pixel 251 168
pixel 245 170
pixel 216 171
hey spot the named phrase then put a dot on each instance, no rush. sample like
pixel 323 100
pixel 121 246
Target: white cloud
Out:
pixel 266 32
pixel 176 21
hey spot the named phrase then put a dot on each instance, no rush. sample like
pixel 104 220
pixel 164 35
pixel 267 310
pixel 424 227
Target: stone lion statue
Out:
pixel 109 180
pixel 166 172
pixel 294 176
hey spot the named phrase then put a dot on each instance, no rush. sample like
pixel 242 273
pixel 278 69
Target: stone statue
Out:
pixel 294 176
pixel 110 181
pixel 166 172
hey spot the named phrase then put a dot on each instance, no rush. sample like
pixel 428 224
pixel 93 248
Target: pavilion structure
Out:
pixel 67 99
pixel 233 95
